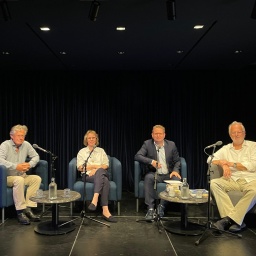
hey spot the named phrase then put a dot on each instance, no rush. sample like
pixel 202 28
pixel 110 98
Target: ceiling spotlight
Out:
pixel 171 9
pixel 253 15
pixel 93 13
pixel 5 10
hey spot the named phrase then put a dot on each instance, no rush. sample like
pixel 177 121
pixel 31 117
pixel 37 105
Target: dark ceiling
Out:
pixel 150 41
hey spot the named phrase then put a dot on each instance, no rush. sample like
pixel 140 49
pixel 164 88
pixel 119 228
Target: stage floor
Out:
pixel 127 237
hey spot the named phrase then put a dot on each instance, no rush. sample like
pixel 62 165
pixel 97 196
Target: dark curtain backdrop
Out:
pixel 59 107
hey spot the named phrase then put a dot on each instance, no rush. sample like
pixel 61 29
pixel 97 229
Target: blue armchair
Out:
pixel 115 177
pixel 6 197
pixel 139 182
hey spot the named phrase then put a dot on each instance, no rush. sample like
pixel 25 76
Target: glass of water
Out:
pixel 66 192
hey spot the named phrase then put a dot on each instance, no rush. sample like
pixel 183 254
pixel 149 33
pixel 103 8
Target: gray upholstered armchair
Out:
pixel 139 182
pixel 115 177
pixel 6 197
pixel 216 171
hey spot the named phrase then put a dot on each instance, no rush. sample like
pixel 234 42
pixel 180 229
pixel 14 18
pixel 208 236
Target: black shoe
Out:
pixel 32 216
pixel 160 210
pixel 23 219
pixel 110 218
pixel 236 228
pixel 223 224
pixel 92 207
pixel 150 214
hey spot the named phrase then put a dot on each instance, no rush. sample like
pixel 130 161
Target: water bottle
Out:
pixel 53 189
pixel 184 189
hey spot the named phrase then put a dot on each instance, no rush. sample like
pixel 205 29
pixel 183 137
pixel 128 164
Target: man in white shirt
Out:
pixel 238 161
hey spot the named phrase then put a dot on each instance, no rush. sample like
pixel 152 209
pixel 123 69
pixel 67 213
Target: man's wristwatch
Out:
pixel 235 165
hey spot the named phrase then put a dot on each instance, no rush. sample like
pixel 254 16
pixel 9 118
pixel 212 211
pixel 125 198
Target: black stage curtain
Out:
pixel 59 107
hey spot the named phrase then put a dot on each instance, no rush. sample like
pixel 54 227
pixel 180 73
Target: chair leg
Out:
pixel 118 208
pixel 71 209
pixel 3 215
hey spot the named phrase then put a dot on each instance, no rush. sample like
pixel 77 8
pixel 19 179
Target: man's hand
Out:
pixel 23 167
pixel 176 174
pixel 226 171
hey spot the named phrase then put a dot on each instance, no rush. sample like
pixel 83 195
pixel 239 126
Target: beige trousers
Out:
pixel 18 183
pixel 220 186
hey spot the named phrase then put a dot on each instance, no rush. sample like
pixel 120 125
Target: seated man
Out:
pixel 238 160
pixel 13 155
pixel 162 161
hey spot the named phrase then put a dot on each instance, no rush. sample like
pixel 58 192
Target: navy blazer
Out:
pixel 148 152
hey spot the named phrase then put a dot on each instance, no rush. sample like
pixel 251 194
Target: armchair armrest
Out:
pixel 3 185
pixel 183 167
pixel 137 177
pixel 72 173
pixel 116 171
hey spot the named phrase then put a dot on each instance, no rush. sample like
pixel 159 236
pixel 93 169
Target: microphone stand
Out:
pixel 52 171
pixel 209 223
pixel 82 214
pixel 54 157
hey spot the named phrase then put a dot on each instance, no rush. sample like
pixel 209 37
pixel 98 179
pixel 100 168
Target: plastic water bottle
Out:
pixel 53 189
pixel 184 189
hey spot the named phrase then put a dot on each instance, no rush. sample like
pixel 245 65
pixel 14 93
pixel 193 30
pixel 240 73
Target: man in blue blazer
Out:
pixel 161 160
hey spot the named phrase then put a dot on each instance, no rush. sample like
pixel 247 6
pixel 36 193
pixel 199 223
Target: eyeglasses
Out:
pixel 238 133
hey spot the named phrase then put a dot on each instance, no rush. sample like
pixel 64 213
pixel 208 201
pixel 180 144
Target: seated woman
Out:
pixel 93 163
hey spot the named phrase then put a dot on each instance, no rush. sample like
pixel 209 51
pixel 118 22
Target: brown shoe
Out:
pixel 32 216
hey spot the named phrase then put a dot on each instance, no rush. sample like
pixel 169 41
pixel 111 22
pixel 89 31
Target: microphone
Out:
pixel 36 146
pixel 218 143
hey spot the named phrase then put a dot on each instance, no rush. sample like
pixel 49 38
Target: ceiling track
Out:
pixel 48 47
pixel 192 48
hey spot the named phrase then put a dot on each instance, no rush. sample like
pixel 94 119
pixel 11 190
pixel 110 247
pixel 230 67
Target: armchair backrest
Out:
pixel 41 169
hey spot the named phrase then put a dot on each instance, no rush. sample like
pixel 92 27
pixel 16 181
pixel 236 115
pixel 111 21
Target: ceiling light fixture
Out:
pixel 93 13
pixel 120 28
pixel 198 26
pixel 171 9
pixel 44 28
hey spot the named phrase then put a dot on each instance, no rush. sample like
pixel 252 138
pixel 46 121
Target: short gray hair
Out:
pixel 18 127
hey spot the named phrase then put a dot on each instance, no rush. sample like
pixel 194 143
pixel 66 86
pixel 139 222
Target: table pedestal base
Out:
pixel 46 228
pixel 192 229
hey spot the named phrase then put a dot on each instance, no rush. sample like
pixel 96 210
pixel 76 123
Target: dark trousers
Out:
pixel 101 184
pixel 150 192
